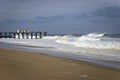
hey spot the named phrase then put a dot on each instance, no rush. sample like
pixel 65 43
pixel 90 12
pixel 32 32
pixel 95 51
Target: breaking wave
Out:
pixel 92 40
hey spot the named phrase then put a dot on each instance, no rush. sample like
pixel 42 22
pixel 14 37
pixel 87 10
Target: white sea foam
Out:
pixel 90 41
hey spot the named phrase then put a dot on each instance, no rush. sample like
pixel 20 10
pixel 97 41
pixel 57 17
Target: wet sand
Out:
pixel 20 65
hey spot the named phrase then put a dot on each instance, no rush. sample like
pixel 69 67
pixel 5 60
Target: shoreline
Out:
pixel 22 65
pixel 101 63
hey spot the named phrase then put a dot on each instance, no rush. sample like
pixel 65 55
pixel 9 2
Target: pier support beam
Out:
pixel 36 35
pixel 27 35
pixel 5 35
pixel 0 35
pixel 18 34
pixel 31 35
pixel 14 35
pixel 40 35
pixel 22 35
pixel 45 33
pixel 9 34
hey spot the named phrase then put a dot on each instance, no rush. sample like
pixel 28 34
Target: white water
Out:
pixel 94 46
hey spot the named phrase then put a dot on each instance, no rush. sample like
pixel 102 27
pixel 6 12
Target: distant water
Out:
pixel 92 46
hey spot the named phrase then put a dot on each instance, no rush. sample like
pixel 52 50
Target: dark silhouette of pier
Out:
pixel 23 34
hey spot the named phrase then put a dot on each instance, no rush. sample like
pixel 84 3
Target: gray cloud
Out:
pixel 30 8
pixel 108 12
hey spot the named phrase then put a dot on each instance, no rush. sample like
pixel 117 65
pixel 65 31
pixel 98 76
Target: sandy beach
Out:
pixel 20 65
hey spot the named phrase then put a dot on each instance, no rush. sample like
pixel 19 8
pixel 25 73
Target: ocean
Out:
pixel 99 48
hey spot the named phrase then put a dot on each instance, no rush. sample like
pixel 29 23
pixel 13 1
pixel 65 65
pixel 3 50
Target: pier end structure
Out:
pixel 23 34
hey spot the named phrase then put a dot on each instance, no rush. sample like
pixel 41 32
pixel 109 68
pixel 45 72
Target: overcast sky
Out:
pixel 61 16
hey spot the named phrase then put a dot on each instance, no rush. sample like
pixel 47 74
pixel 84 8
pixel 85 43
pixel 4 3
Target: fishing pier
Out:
pixel 23 34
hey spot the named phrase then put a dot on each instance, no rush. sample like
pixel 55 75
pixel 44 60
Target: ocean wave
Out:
pixel 92 40
pixel 92 45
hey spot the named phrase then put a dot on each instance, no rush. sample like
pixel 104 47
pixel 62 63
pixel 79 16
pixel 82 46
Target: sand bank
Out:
pixel 20 65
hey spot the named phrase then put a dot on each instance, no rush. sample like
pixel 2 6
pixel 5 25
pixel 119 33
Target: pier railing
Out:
pixel 23 35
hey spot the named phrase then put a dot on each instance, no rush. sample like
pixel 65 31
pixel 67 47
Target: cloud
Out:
pixel 56 17
pixel 110 12
pixel 31 8
pixel 44 19
pixel 11 21
pixel 107 12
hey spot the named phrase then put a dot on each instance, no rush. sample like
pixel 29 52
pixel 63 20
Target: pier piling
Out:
pixel 18 34
pixel 0 35
pixel 31 35
pixel 27 35
pixel 40 35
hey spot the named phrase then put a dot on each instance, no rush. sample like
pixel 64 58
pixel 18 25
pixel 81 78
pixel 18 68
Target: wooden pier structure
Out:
pixel 23 34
